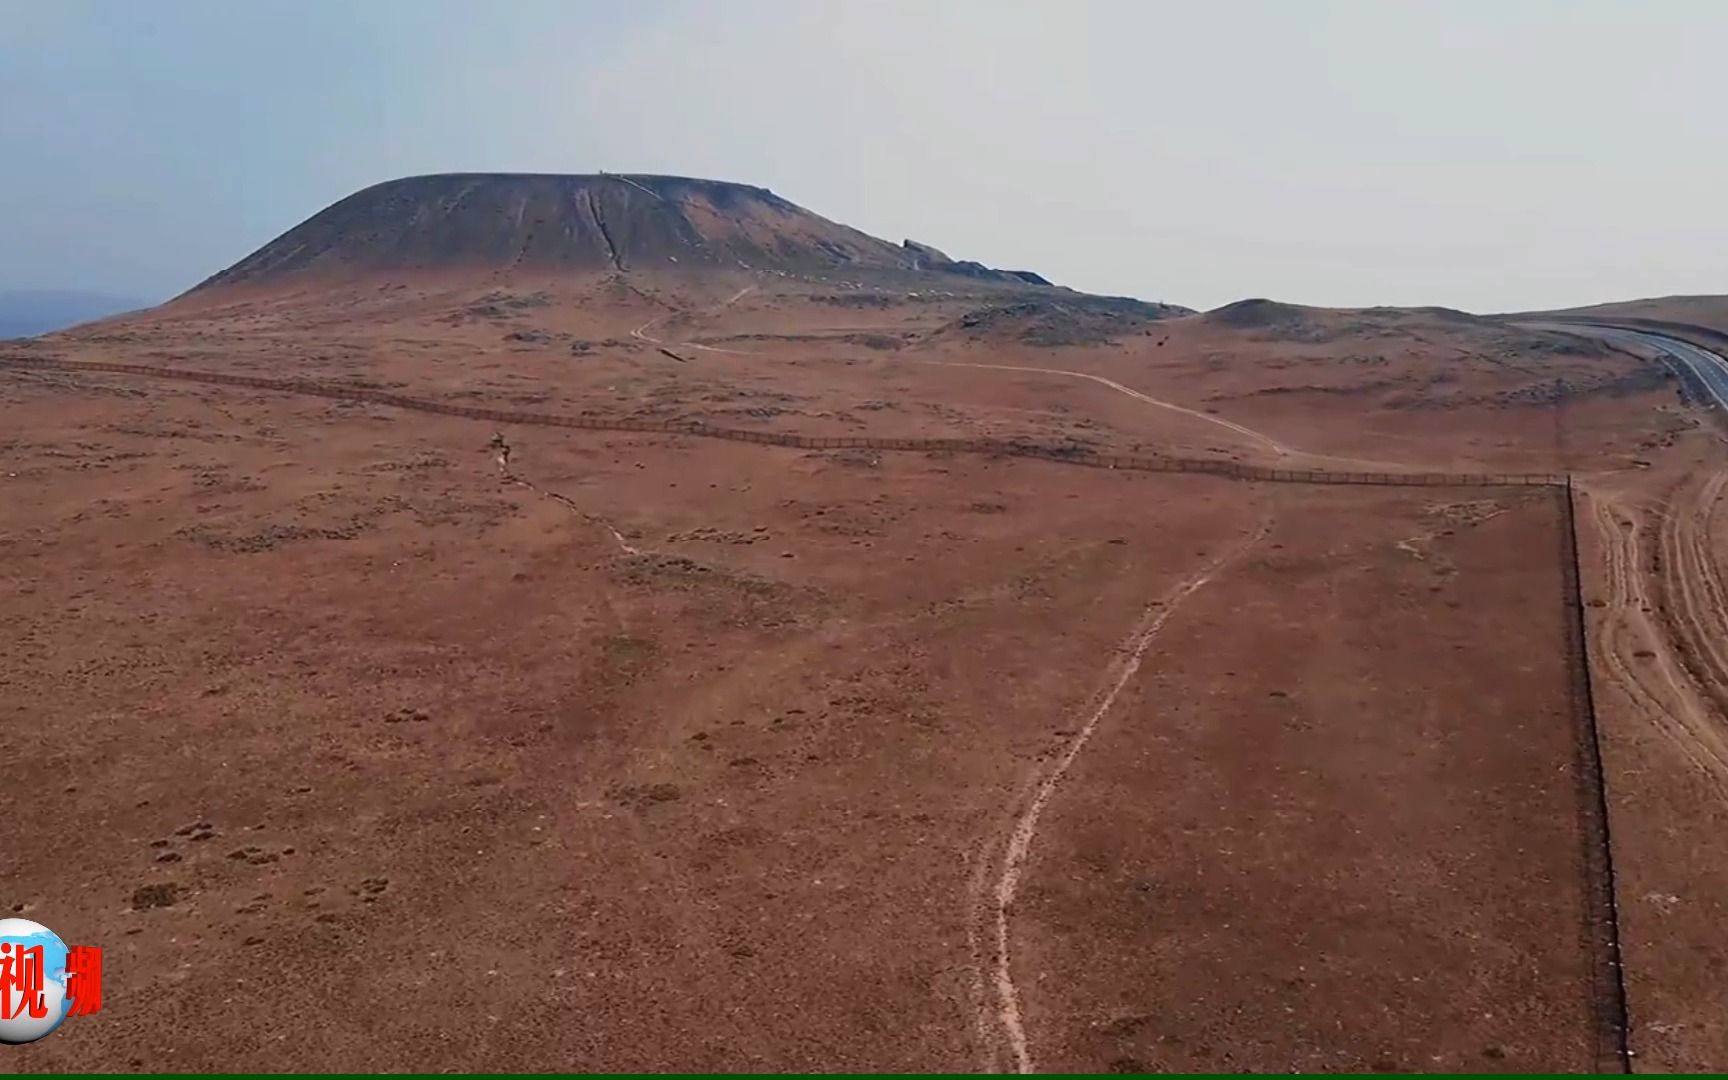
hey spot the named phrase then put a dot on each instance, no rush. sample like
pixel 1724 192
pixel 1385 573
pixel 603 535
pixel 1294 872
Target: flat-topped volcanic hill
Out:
pixel 604 222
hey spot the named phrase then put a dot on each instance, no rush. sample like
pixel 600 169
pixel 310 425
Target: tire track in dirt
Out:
pixel 1636 655
pixel 1690 591
pixel 997 906
pixel 1611 640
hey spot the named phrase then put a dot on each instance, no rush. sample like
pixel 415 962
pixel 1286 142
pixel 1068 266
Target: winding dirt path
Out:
pixel 1258 438
pixel 998 904
pixel 1278 449
pixel 511 477
pixel 626 180
pixel 1246 432
pixel 641 332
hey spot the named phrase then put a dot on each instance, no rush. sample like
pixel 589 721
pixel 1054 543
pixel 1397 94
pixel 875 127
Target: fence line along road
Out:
pixel 1066 454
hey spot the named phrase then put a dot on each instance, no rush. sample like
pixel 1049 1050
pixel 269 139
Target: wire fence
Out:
pixel 1600 929
pixel 1062 453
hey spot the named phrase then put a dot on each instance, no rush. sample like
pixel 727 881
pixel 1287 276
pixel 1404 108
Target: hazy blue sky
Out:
pixel 1489 155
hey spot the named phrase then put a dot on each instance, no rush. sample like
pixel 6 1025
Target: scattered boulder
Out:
pixel 146 897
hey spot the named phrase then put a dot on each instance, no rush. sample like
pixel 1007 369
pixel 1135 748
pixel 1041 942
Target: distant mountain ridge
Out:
pixel 1703 312
pixel 536 222
pixel 540 223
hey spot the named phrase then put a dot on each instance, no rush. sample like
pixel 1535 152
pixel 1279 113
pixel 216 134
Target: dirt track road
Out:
pixel 1281 452
pixel 1634 643
pixel 1692 598
pixel 998 906
pixel 1248 433
pixel 641 332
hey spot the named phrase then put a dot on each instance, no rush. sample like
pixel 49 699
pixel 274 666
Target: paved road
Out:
pixel 1707 367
